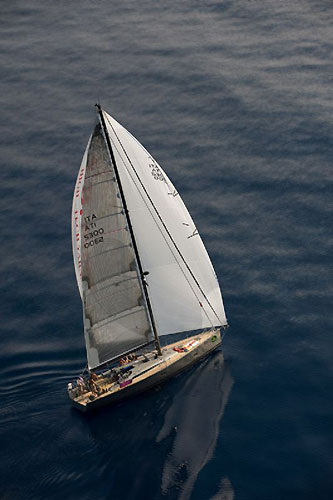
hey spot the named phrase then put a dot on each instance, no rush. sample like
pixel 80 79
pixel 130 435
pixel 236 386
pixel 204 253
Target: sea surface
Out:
pixel 234 99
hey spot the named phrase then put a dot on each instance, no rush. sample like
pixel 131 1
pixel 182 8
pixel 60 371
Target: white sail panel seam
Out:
pixel 101 288
pixel 117 317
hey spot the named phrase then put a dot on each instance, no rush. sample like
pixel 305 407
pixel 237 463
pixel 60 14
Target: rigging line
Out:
pixel 84 370
pixel 166 229
pixel 163 235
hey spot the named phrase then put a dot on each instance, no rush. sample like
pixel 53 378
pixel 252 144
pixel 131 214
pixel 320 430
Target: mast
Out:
pixel 130 227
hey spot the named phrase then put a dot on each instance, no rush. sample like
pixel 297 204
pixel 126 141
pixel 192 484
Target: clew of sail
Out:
pixel 183 287
pixel 115 315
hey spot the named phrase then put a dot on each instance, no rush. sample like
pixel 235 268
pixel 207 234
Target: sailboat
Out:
pixel 142 271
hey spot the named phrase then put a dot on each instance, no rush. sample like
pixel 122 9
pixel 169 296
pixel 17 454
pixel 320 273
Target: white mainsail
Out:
pixel 115 316
pixel 182 286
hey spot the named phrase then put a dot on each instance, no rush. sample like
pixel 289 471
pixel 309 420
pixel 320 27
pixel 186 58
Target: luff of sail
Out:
pixel 115 315
pixel 183 287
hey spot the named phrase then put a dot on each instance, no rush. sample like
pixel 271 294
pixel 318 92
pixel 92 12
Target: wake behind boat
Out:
pixel 141 268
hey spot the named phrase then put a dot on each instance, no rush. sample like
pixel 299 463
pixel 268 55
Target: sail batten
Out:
pixel 117 317
pixel 113 279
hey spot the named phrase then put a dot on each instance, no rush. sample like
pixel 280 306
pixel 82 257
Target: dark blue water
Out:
pixel 234 99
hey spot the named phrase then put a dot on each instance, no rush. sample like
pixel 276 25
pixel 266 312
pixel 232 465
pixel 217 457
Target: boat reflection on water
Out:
pixel 156 444
pixel 194 418
pixel 225 492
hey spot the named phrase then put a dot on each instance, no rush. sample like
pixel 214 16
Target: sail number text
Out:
pixel 93 236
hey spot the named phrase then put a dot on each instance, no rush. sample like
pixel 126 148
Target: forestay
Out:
pixel 182 284
pixel 115 316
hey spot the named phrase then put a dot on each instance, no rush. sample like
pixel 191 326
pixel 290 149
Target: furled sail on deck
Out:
pixel 182 284
pixel 115 316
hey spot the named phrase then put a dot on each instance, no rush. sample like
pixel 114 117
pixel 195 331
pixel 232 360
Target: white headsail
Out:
pixel 183 286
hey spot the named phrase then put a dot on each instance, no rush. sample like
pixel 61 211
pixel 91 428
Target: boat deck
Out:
pixel 146 366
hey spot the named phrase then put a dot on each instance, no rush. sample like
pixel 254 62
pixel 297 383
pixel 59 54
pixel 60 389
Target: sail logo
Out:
pixel 156 171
